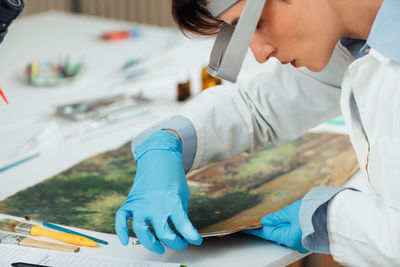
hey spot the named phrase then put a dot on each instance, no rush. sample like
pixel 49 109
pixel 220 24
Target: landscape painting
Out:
pixel 226 196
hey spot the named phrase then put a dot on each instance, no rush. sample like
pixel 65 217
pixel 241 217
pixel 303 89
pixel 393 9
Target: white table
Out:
pixel 54 35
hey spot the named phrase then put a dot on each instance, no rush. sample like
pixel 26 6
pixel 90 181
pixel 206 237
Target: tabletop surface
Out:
pixel 53 35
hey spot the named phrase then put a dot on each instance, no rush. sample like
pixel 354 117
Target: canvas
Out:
pixel 225 197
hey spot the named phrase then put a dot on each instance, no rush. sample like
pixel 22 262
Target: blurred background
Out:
pixel 153 12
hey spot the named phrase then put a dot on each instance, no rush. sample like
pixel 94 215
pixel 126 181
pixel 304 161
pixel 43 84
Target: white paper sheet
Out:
pixel 10 254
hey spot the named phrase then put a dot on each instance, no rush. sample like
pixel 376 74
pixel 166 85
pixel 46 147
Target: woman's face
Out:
pixel 300 32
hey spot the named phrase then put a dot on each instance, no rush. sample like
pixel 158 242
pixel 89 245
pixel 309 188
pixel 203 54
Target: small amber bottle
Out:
pixel 184 90
pixel 207 80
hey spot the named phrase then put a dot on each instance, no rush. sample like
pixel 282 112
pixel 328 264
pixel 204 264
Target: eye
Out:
pixel 259 24
pixel 234 22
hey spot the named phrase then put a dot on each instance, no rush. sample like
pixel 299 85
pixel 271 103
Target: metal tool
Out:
pixel 204 235
pixel 94 109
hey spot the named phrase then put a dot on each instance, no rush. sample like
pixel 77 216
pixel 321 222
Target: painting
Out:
pixel 226 196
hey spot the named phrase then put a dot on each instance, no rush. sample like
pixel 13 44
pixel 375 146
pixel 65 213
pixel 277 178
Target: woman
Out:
pixel 351 49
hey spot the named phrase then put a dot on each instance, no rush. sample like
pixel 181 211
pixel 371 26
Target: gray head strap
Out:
pixel 218 7
pixel 232 43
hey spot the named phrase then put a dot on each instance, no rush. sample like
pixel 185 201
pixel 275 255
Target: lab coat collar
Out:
pixel 384 36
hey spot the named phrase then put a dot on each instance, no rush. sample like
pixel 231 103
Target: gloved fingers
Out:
pixel 302 250
pixel 167 236
pixel 282 235
pixel 277 235
pixel 275 218
pixel 146 237
pixel 121 228
pixel 183 225
pixel 271 233
pixel 256 232
pixel 296 205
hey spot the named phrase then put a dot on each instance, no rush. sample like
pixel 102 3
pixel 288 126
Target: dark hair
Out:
pixel 193 18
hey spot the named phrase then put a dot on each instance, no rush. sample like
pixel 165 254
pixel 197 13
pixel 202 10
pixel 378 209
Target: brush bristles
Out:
pixel 15 226
pixel 8 225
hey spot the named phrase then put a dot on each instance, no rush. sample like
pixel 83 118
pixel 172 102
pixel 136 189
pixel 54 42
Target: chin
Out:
pixel 320 66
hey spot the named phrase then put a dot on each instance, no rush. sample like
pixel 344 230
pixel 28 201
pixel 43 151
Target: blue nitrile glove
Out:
pixel 160 191
pixel 282 227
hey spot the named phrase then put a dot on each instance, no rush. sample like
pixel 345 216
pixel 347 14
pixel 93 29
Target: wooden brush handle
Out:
pixel 30 242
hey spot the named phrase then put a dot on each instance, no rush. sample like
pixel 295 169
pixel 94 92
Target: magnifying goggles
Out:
pixel 232 42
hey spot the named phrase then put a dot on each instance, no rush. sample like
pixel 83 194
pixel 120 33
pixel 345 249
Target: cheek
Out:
pixel 320 58
pixel 316 66
pixel 284 28
pixel 277 28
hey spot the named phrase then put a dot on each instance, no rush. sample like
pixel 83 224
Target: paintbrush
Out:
pixel 65 230
pixel 35 230
pixel 30 242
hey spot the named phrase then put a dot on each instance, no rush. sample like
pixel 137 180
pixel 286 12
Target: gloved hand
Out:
pixel 160 191
pixel 282 227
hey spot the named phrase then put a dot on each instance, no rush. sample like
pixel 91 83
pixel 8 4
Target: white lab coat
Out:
pixel 283 103
pixel 364 228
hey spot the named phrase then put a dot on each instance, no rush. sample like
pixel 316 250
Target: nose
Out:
pixel 262 51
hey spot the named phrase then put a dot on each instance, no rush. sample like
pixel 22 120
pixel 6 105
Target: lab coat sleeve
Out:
pixel 280 105
pixel 313 217
pixel 364 230
pixel 186 132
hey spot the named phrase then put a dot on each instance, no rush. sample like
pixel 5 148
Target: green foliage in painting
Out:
pixel 227 195
pixel 204 211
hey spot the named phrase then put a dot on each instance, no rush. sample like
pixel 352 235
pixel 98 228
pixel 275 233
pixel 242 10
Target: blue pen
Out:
pixel 18 162
pixel 135 74
pixel 136 32
pixel 130 63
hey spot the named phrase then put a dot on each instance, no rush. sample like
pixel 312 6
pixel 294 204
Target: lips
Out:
pixel 293 63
